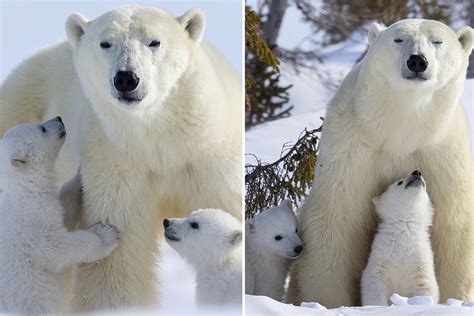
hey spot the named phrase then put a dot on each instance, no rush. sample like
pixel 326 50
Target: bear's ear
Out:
pixel 236 237
pixel 465 37
pixel 75 28
pixel 374 30
pixel 194 23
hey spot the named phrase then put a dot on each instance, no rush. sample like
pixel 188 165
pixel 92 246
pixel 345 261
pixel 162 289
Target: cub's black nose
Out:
pixel 298 249
pixel 166 223
pixel 417 63
pixel 416 173
pixel 58 118
pixel 126 81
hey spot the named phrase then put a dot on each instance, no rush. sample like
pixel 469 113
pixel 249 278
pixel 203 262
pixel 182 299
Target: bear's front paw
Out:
pixel 108 236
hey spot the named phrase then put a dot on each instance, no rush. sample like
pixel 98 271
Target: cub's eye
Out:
pixel 437 42
pixel 154 43
pixel 400 183
pixel 278 237
pixel 43 129
pixel 398 40
pixel 194 225
pixel 296 230
pixel 105 45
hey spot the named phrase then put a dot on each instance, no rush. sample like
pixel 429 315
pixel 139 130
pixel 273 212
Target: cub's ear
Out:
pixel 194 23
pixel 374 30
pixel 19 158
pixel 465 37
pixel 75 28
pixel 236 237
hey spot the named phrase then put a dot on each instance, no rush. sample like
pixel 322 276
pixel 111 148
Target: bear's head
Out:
pixel 275 230
pixel 205 237
pixel 405 200
pixel 132 57
pixel 419 54
pixel 31 149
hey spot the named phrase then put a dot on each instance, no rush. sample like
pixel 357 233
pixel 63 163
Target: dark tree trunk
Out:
pixel 271 28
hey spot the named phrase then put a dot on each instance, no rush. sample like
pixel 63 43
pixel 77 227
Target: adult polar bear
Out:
pixel 396 111
pixel 154 119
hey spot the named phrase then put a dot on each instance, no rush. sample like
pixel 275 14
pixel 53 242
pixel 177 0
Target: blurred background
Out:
pixel 297 53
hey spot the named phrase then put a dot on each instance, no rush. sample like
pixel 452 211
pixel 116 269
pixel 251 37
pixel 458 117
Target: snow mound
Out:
pixel 262 305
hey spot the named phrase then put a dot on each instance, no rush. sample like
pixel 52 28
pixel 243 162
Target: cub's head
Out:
pixel 131 57
pixel 205 236
pixel 418 53
pixel 31 148
pixel 405 200
pixel 276 231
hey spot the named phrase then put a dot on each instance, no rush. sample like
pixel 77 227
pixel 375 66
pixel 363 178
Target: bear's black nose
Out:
pixel 416 173
pixel 126 81
pixel 417 63
pixel 298 249
pixel 166 223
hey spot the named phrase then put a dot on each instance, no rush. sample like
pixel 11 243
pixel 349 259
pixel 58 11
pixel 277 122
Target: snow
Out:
pixel 262 305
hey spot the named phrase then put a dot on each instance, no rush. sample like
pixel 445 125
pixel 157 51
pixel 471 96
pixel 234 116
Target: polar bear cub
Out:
pixel 211 241
pixel 271 241
pixel 35 245
pixel 401 260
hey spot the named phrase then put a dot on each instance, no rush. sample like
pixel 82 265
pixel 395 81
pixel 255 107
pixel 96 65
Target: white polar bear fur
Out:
pixel 401 259
pixel 214 250
pixel 379 126
pixel 35 246
pixel 267 260
pixel 177 150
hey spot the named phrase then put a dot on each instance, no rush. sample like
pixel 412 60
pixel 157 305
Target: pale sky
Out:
pixel 26 26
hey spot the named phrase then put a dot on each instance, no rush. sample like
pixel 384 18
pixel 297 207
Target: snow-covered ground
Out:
pixel 261 305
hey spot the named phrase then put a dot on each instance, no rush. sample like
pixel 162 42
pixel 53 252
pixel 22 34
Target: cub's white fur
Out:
pixel 401 260
pixel 35 246
pixel 168 147
pixel 211 241
pixel 271 241
pixel 382 123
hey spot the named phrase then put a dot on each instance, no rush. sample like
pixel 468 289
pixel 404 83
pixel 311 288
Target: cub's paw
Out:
pixel 108 236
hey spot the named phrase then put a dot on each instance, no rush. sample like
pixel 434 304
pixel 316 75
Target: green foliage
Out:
pixel 254 43
pixel 289 177
pixel 265 98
